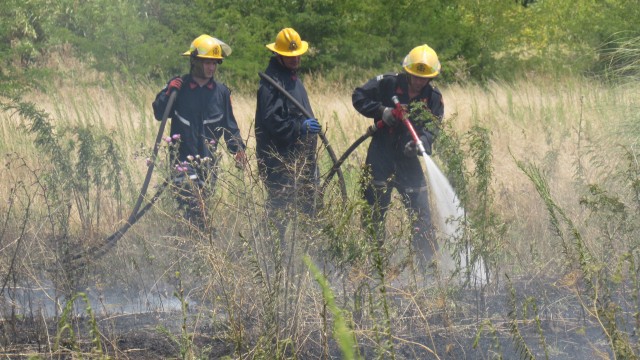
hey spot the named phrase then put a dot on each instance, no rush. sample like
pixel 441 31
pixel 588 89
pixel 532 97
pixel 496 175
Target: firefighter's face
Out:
pixel 290 62
pixel 205 68
pixel 418 83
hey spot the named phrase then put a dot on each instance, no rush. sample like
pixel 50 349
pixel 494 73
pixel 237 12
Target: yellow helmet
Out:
pixel 422 61
pixel 208 47
pixel 288 43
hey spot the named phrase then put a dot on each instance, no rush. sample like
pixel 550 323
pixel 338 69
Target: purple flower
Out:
pixel 167 139
pixel 176 137
pixel 212 141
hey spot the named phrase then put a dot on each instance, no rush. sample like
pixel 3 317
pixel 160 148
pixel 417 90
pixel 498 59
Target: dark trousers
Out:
pixel 292 190
pixel 388 169
pixel 287 200
pixel 416 202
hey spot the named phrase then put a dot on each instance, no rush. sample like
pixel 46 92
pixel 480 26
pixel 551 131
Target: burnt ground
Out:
pixel 151 335
pixel 475 325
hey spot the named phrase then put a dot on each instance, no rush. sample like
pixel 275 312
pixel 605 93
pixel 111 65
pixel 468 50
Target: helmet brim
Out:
pixel 303 49
pixel 426 76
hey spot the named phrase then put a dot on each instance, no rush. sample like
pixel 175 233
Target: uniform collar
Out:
pixel 277 67
pixel 193 84
pixel 402 87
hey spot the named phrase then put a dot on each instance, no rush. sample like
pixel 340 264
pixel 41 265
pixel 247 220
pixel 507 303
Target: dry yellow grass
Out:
pixel 550 123
pixel 553 124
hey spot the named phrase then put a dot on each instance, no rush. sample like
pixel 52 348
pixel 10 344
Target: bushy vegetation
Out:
pixel 543 262
pixel 475 40
pixel 552 218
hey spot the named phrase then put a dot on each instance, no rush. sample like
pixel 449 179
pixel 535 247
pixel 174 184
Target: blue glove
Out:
pixel 310 126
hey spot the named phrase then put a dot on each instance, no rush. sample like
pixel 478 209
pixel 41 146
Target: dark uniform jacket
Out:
pixel 202 115
pixel 386 150
pixel 278 123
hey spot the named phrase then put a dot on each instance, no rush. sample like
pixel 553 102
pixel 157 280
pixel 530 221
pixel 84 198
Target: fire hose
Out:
pixel 370 131
pixel 325 142
pixel 412 131
pixel 101 249
pixel 336 166
pixel 136 213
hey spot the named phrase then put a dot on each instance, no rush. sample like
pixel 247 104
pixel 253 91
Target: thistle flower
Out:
pixel 175 136
pixel 212 141
pixel 190 157
pixel 168 139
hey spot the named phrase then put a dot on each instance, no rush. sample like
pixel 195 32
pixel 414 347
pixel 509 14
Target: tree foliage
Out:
pixel 475 40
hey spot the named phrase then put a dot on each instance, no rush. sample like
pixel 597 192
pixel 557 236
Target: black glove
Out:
pixel 410 149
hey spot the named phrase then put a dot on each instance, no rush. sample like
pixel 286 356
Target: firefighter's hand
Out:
pixel 410 149
pixel 241 159
pixel 310 126
pixel 399 113
pixel 388 117
pixel 174 85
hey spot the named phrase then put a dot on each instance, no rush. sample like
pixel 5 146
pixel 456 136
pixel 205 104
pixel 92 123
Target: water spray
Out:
pixel 448 207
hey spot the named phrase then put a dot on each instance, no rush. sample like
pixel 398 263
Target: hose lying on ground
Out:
pixel 101 249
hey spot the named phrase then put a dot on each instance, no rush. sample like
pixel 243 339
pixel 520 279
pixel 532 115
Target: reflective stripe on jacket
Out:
pixel 202 116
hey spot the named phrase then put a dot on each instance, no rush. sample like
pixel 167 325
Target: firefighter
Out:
pixel 201 116
pixel 285 138
pixel 392 157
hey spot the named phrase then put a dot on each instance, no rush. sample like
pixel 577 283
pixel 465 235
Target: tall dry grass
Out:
pixel 576 131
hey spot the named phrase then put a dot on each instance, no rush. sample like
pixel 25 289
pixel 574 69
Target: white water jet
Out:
pixel 447 218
